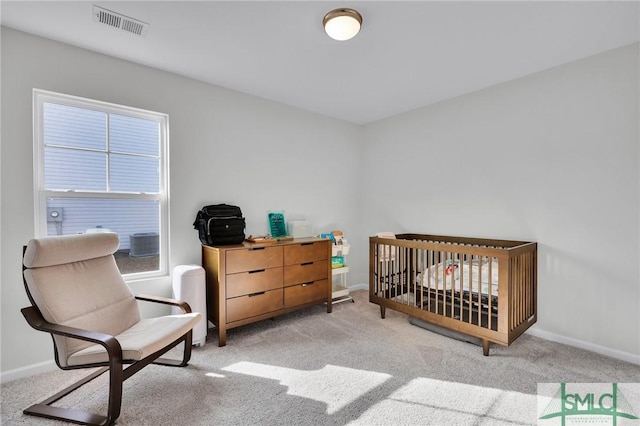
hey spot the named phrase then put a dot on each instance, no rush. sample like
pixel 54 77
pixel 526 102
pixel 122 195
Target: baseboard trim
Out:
pixel 569 341
pixel 359 287
pixel 22 372
pixel 29 370
pixel 591 347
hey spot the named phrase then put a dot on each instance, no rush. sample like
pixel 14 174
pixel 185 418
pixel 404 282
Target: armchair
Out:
pixel 79 297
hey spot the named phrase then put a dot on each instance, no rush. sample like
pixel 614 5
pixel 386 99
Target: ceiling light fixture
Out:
pixel 342 24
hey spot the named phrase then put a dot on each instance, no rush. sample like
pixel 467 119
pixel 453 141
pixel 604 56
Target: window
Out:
pixel 101 167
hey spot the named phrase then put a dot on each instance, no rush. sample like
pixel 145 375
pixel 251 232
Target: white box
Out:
pixel 340 249
pixel 300 228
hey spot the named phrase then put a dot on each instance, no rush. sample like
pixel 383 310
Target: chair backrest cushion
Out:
pixel 74 281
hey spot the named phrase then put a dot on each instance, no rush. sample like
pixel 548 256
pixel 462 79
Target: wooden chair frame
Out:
pixel 117 373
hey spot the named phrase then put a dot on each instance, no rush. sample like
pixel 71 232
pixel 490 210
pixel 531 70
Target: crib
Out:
pixel 484 288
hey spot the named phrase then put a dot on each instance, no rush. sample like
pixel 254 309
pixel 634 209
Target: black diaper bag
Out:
pixel 220 224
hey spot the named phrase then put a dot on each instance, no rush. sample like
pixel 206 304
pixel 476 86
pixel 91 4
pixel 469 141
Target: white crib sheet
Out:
pixel 454 274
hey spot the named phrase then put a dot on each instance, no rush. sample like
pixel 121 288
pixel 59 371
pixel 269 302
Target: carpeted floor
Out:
pixel 347 367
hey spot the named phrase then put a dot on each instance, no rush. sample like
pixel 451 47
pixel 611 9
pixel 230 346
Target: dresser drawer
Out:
pixel 305 293
pixel 244 283
pixel 306 252
pixel 252 305
pixel 305 272
pixel 253 259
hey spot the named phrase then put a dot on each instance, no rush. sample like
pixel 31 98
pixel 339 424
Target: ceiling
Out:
pixel 407 55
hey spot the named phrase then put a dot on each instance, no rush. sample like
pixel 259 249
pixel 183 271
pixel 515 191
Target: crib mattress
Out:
pixel 472 276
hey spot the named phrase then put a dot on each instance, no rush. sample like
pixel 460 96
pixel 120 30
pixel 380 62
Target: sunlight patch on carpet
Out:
pixel 444 402
pixel 333 385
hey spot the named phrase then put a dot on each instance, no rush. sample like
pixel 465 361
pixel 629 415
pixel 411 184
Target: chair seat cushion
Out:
pixel 142 339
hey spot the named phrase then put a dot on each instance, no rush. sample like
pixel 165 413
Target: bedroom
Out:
pixel 551 157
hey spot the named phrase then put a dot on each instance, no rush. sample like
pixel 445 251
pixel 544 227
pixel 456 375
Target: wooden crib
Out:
pixel 480 287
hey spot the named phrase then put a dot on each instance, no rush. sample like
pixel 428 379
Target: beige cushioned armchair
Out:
pixel 80 298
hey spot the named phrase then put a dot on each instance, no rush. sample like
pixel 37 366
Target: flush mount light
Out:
pixel 342 24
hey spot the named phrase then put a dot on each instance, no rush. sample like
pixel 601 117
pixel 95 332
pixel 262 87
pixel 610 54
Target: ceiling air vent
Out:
pixel 119 21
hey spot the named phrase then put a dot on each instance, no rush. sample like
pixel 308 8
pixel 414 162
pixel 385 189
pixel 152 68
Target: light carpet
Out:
pixel 349 367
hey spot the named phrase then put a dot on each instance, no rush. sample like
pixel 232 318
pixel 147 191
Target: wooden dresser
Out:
pixel 251 282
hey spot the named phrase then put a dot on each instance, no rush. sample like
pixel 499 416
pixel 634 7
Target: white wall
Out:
pixel 551 158
pixel 224 147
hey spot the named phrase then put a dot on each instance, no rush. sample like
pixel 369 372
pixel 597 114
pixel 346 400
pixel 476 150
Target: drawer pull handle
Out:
pixel 256 294
pixel 257 248
pixel 308 284
pixel 306 264
pixel 306 244
pixel 257 271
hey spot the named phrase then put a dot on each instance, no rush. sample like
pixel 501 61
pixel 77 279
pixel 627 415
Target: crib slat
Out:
pixel 402 273
pixel 429 265
pixel 461 287
pixel 517 292
pixel 490 295
pixel 405 275
pixel 521 279
pixel 452 286
pixel 514 292
pixel 398 271
pixel 525 285
pixel 521 284
pixel 530 285
pixel 447 286
pixel 504 295
pixel 437 283
pixel 419 269
pixel 470 295
pixel 513 298
pixel 522 292
pixel 412 277
pixel 518 285
pixel 475 296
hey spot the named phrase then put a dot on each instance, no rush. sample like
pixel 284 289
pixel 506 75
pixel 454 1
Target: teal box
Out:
pixel 337 262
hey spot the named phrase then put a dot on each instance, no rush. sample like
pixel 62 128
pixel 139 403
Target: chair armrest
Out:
pixel 165 301
pixel 37 321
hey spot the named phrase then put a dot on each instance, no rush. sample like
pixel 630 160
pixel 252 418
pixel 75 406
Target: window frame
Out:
pixel 40 97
